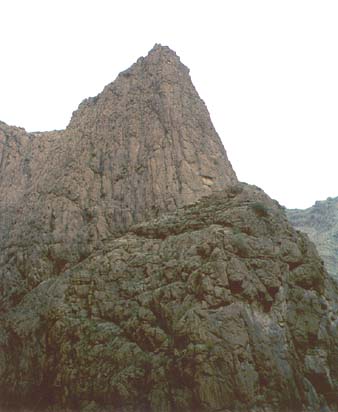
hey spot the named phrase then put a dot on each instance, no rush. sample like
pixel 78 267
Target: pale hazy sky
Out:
pixel 267 70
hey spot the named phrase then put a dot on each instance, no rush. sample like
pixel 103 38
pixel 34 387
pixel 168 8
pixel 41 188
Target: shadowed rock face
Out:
pixel 320 222
pixel 137 274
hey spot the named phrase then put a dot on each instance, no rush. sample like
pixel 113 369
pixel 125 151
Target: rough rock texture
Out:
pixel 143 146
pixel 220 306
pixel 138 275
pixel 320 222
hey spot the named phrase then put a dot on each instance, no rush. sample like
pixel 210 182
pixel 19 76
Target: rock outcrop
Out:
pixel 320 222
pixel 143 146
pixel 137 274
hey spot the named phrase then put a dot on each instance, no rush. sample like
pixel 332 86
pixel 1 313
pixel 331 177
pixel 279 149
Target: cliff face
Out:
pixel 320 222
pixel 137 274
pixel 144 146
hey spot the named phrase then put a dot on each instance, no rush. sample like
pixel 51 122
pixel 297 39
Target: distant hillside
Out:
pixel 320 222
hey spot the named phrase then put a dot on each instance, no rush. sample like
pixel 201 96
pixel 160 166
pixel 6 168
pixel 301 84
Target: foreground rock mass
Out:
pixel 137 274
pixel 320 222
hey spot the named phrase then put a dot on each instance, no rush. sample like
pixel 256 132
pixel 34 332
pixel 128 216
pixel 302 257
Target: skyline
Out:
pixel 267 73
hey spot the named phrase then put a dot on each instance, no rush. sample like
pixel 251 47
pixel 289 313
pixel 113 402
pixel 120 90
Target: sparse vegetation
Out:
pixel 240 245
pixel 260 209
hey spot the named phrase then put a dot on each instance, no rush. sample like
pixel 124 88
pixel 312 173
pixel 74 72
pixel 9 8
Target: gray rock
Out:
pixel 320 222
pixel 140 326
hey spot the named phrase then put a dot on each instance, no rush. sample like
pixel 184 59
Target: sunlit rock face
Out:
pixel 138 274
pixel 143 146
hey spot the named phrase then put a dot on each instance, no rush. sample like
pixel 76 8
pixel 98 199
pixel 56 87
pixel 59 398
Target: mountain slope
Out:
pixel 143 146
pixel 219 306
pixel 137 273
pixel 320 222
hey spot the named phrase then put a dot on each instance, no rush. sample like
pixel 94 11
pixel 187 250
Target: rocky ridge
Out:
pixel 137 274
pixel 320 222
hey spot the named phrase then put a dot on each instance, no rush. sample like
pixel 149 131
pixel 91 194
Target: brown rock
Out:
pixel 218 305
pixel 143 146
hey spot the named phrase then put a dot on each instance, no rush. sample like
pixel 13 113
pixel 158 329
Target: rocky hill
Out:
pixel 138 274
pixel 143 146
pixel 320 222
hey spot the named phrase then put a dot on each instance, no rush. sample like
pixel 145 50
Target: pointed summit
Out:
pixel 158 48
pixel 154 137
pixel 164 55
pixel 219 306
pixel 144 146
pixel 160 59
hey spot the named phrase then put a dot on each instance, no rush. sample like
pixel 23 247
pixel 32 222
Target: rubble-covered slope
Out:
pixel 220 306
pixel 320 222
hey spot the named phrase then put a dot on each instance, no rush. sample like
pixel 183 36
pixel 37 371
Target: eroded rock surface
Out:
pixel 143 146
pixel 138 275
pixel 220 306
pixel 320 222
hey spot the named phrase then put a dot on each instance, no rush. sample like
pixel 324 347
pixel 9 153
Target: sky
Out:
pixel 267 70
